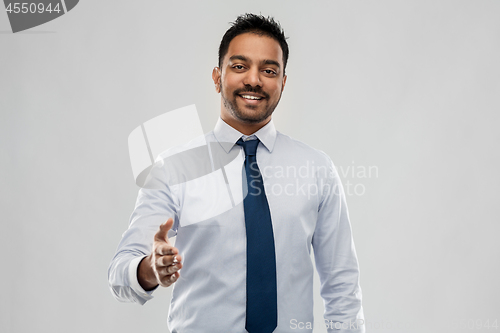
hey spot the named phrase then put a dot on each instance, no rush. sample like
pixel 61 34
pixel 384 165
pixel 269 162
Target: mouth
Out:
pixel 251 98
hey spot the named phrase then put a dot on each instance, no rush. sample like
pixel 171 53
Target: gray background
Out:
pixel 410 87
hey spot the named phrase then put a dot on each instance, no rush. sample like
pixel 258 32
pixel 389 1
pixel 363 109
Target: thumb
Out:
pixel 162 234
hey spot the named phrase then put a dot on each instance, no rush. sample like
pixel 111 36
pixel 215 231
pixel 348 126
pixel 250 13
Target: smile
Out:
pixel 250 97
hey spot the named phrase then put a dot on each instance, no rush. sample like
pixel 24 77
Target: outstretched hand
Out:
pixel 162 265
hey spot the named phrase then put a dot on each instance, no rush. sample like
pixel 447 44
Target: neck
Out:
pixel 245 128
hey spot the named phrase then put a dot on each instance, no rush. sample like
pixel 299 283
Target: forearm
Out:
pixel 129 276
pixel 337 266
pixel 337 263
pixel 341 292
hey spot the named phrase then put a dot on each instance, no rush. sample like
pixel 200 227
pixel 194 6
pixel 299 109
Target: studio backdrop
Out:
pixel 402 95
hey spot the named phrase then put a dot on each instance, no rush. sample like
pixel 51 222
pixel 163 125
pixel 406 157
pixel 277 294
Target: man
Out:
pixel 249 268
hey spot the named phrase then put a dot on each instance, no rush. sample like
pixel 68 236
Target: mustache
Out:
pixel 255 90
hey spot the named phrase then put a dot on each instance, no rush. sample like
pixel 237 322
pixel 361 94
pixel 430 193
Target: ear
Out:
pixel 284 82
pixel 216 77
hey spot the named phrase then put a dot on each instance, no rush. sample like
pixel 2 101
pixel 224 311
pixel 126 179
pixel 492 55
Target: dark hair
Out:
pixel 256 24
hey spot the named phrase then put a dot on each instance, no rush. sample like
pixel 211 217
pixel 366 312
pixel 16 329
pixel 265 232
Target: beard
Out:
pixel 245 116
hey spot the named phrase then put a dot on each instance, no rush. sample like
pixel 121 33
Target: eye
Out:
pixel 269 71
pixel 239 67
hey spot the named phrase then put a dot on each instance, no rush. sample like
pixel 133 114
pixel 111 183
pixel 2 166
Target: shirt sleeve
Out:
pixel 155 204
pixel 336 259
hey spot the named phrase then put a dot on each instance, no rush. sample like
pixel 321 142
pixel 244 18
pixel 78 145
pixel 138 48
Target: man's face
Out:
pixel 251 80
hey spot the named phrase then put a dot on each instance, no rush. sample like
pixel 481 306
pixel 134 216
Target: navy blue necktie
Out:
pixel 262 304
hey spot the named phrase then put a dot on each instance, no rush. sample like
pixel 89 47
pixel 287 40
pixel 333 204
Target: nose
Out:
pixel 252 78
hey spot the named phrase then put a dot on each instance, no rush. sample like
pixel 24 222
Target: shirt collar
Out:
pixel 227 135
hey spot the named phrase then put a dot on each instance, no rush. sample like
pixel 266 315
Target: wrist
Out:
pixel 145 274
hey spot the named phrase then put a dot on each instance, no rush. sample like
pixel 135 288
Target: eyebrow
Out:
pixel 271 62
pixel 263 62
pixel 238 57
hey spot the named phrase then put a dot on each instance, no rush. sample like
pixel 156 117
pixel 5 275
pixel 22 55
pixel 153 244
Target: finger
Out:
pixel 168 260
pixel 169 279
pixel 165 261
pixel 173 268
pixel 177 259
pixel 174 277
pixel 168 270
pixel 162 234
pixel 166 249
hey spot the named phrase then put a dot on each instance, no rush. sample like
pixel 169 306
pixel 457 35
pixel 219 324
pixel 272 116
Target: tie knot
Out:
pixel 249 146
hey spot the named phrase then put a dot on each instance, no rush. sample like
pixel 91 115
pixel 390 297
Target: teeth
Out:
pixel 250 97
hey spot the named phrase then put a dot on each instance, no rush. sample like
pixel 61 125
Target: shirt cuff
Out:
pixel 134 283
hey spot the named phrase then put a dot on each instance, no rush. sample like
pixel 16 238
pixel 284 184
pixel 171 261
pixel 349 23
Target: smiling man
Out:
pixel 248 269
pixel 250 78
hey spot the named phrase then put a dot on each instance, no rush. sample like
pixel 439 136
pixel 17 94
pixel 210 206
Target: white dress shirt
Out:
pixel 308 208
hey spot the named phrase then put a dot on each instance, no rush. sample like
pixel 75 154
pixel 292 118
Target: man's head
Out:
pixel 256 24
pixel 251 73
